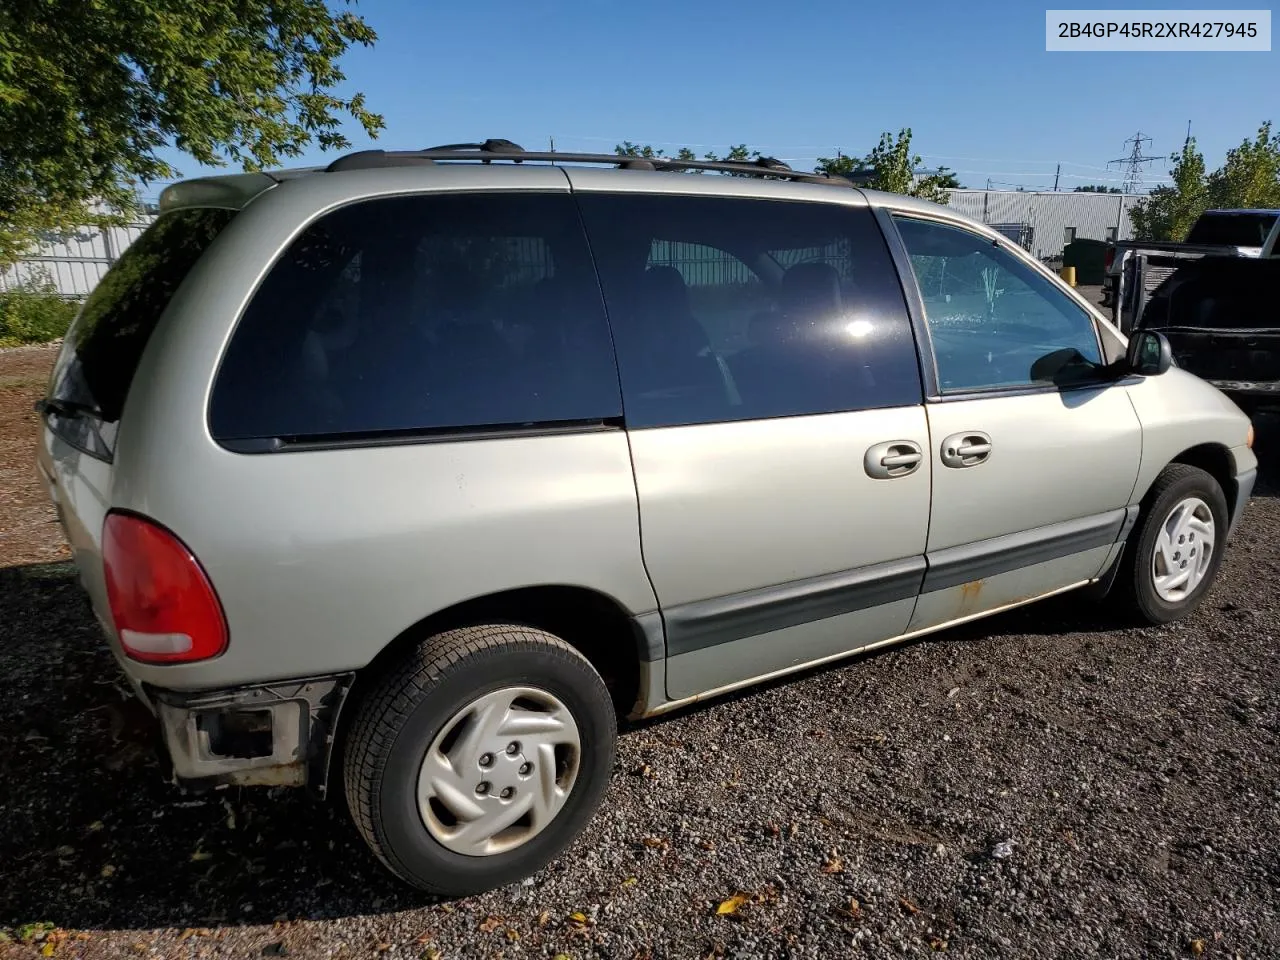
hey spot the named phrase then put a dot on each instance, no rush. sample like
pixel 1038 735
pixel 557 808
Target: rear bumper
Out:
pixel 277 734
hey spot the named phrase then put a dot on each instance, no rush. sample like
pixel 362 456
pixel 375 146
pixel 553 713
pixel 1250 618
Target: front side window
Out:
pixel 733 309
pixel 422 313
pixel 994 321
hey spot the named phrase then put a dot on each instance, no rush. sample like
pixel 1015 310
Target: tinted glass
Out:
pixel 1216 293
pixel 120 314
pixel 1232 229
pixel 727 309
pixel 422 313
pixel 994 321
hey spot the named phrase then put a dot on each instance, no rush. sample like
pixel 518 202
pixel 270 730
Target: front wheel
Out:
pixel 480 758
pixel 1174 555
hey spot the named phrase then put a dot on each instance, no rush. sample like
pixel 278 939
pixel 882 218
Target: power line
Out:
pixel 1132 164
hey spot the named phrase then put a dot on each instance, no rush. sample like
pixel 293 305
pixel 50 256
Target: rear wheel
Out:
pixel 480 758
pixel 1174 555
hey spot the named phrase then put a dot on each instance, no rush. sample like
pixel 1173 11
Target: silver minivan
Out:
pixel 408 476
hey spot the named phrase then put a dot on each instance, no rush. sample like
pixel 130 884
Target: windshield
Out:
pixel 1248 229
pixel 105 343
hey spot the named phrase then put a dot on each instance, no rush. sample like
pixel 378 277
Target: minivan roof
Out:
pixel 235 190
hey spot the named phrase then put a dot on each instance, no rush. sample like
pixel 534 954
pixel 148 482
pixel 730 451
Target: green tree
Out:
pixel 1095 188
pixel 90 90
pixel 1168 211
pixel 1250 177
pixel 891 166
pixel 736 154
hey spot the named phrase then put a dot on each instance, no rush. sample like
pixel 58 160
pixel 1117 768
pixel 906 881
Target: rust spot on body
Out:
pixel 971 590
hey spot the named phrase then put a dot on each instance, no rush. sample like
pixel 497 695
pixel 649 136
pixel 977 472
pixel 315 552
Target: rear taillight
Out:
pixel 162 604
pixel 1109 259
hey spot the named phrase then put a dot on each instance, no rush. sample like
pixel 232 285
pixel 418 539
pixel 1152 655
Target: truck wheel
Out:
pixel 479 758
pixel 1174 554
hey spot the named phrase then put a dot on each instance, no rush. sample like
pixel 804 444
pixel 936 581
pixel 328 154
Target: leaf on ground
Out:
pixel 65 850
pixel 655 843
pixel 908 906
pixel 512 934
pixel 851 910
pixel 705 845
pixel 30 932
pixel 431 953
pixel 95 826
pixel 938 944
pixel 732 905
pixel 198 855
pixel 108 870
pixel 629 882
pixel 578 918
pixel 562 956
pixel 833 865
pixel 490 924
pixel 424 936
pixel 544 918
pixel 1197 947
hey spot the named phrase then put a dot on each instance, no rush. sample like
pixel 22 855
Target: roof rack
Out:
pixel 495 149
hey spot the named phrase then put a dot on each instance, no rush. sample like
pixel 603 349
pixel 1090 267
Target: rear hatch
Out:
pixel 1222 318
pixel 85 411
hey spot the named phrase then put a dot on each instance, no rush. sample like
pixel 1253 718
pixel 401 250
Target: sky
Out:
pixel 796 80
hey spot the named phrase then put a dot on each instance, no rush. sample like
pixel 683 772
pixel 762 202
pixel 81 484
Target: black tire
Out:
pixel 402 714
pixel 1136 592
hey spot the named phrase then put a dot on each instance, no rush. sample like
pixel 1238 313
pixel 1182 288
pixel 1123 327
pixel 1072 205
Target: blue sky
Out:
pixel 796 80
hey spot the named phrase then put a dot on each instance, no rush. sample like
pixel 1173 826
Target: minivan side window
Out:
pixel 423 313
pixel 728 309
pixel 994 321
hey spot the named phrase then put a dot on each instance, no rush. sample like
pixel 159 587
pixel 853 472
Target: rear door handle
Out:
pixel 966 449
pixel 893 459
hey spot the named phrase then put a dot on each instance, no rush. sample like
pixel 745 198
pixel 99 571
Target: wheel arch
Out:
pixel 595 624
pixel 1215 460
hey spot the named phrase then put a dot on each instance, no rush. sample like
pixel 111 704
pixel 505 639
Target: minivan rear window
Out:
pixel 398 316
pixel 108 337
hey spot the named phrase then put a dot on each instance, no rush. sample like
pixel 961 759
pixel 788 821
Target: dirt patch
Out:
pixel 29 530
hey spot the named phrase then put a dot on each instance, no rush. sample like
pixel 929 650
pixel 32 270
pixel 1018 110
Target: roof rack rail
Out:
pixel 498 149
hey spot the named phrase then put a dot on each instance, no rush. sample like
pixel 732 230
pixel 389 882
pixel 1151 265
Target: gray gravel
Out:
pixel 1039 785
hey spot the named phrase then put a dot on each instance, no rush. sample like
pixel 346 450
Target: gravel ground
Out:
pixel 1042 784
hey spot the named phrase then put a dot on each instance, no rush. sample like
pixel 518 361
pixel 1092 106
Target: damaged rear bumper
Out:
pixel 275 734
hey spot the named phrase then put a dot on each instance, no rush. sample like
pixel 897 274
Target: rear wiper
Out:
pixel 66 408
pixel 71 410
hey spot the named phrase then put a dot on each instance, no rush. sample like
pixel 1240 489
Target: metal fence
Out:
pixel 1042 222
pixel 75 263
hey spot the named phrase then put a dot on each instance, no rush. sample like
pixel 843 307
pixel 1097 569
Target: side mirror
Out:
pixel 1148 354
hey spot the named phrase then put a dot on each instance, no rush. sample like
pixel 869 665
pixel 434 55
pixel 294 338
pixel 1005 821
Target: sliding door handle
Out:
pixel 893 459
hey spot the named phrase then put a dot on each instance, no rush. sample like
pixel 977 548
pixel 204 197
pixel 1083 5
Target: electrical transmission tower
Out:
pixel 1132 164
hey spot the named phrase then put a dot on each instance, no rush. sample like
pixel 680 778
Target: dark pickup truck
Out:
pixel 1221 315
pixel 1134 268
